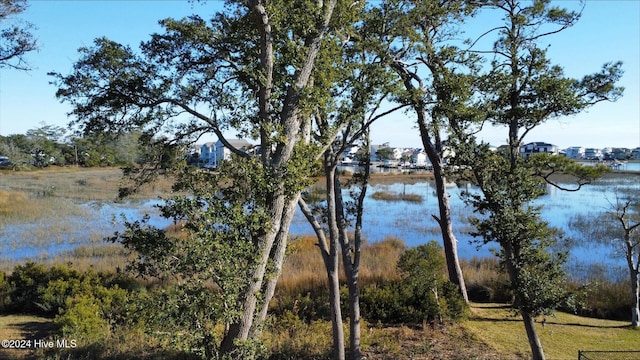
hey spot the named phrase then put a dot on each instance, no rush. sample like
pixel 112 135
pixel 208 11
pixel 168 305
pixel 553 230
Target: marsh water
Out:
pixel 410 221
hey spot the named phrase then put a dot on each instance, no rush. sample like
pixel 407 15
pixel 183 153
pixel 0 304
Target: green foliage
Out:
pixel 5 292
pixel 27 281
pixel 423 293
pixel 35 289
pixel 16 39
pixel 211 257
pixel 82 319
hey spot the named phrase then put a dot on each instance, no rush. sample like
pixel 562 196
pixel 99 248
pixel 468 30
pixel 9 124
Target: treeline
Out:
pixel 51 145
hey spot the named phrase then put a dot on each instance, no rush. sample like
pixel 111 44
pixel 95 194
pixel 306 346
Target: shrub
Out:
pixel 5 291
pixel 81 319
pixel 26 281
pixel 422 294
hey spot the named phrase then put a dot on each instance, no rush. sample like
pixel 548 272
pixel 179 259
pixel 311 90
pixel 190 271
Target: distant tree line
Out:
pixel 50 145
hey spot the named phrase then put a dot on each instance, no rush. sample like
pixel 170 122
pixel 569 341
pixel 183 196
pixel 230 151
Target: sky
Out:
pixel 609 30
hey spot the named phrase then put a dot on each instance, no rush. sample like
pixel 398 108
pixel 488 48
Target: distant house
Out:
pixel 349 155
pixel 222 153
pixel 592 154
pixel 538 147
pixel 208 154
pixel 635 153
pixel 374 149
pixel 575 152
pixel 620 153
pixel 418 158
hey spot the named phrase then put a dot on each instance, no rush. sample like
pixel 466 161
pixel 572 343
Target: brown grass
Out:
pixel 390 196
pixel 80 184
pixel 304 270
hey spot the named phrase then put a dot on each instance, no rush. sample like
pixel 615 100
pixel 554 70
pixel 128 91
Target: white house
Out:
pixel 222 153
pixel 538 147
pixel 575 152
pixel 592 154
pixel 349 154
pixel 418 158
pixel 374 151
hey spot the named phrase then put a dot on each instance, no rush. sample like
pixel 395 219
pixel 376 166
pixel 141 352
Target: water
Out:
pixel 411 222
pixel 100 220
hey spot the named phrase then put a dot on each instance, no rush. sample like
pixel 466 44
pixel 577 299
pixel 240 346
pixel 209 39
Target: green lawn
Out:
pixel 562 336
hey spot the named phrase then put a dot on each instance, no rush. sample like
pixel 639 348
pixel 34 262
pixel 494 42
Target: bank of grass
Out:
pixel 491 332
pixel 78 184
pixel 391 196
pixel 303 270
pixel 562 335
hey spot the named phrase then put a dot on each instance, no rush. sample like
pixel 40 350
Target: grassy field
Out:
pixel 77 184
pixel 562 335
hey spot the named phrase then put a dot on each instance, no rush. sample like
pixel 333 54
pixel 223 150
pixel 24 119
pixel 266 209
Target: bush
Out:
pixel 26 282
pixel 5 291
pixel 422 294
pixel 82 319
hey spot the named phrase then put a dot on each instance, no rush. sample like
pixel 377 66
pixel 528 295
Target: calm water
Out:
pixel 411 222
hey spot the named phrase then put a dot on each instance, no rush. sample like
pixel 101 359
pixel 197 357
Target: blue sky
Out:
pixel 609 30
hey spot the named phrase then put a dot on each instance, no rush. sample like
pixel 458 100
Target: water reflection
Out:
pixel 47 237
pixel 413 222
pixel 409 221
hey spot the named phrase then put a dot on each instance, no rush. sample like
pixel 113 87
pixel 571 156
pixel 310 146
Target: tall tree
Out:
pixel 16 39
pixel 251 69
pixel 355 106
pixel 46 144
pixel 618 226
pixel 438 88
pixel 523 91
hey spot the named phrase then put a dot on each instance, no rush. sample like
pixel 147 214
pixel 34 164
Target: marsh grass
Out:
pixel 391 196
pixel 303 270
pixel 79 184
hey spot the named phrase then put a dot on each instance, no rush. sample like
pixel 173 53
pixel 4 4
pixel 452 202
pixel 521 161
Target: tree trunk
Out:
pixel 333 261
pixel 350 262
pixel 433 148
pixel 532 335
pixel 336 312
pixel 534 342
pixel 240 330
pixel 278 260
pixel 355 352
pixel 448 237
pixel 635 310
pixel 450 243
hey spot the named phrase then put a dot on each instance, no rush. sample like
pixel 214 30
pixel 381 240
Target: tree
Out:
pixel 17 148
pixel 439 90
pixel 350 114
pixel 45 144
pixel 253 69
pixel 384 153
pixel 523 90
pixel 619 226
pixel 15 36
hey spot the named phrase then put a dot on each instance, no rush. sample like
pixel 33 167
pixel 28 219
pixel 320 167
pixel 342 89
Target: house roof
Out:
pixel 236 143
pixel 539 143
